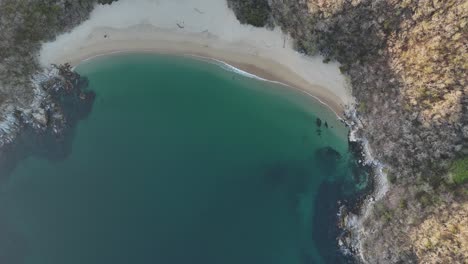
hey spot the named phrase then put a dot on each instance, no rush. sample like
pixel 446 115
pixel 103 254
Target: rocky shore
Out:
pixel 23 26
pixel 352 212
pixel 60 101
pixel 407 63
pixel 32 99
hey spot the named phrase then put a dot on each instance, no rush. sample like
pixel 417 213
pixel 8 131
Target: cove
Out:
pixel 182 161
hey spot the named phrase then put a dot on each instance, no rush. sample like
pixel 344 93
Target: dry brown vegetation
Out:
pixel 408 63
pixel 443 236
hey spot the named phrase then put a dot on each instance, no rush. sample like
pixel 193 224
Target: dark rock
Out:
pixel 318 121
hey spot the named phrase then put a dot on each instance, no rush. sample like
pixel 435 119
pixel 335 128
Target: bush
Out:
pixel 387 216
pixel 391 177
pixel 253 12
pixel 403 204
pixel 424 198
pixel 459 171
pixel 362 107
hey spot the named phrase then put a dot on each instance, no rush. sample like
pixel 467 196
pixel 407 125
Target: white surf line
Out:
pixel 104 54
pixel 253 76
pixel 218 62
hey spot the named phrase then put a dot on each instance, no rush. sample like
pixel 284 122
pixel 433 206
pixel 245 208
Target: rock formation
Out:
pixel 407 61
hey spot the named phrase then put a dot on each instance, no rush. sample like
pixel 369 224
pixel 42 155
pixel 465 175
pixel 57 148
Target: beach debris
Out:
pixel 198 11
pixel 180 26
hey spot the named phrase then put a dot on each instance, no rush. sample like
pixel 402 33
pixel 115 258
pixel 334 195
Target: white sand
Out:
pixel 205 28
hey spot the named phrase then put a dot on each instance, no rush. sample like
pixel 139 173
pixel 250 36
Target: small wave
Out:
pixel 234 69
pixel 225 66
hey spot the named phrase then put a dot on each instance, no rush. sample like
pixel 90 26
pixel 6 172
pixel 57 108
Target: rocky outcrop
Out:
pixel 60 101
pixel 407 62
pixel 24 24
pixel 32 108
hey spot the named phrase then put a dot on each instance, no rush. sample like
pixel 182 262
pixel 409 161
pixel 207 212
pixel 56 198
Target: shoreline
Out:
pixel 247 70
pixel 267 69
pixel 215 34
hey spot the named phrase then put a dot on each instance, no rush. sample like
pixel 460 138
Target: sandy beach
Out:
pixel 203 29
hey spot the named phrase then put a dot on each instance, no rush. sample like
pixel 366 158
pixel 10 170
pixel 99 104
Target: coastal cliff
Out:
pixel 407 61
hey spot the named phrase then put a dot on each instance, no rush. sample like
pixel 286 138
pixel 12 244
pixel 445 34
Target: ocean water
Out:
pixel 181 161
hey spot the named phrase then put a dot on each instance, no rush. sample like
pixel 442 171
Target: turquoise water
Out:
pixel 181 161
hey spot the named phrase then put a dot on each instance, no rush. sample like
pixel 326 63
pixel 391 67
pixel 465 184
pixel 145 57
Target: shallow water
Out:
pixel 181 161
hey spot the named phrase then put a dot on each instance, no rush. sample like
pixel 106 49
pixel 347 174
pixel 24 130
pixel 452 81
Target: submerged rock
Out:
pixel 60 101
pixel 318 121
pixel 328 154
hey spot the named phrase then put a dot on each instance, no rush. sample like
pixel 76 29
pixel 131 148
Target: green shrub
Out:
pixel 403 204
pixel 387 215
pixel 391 177
pixel 254 12
pixel 459 170
pixel 343 69
pixel 362 107
pixel 424 198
